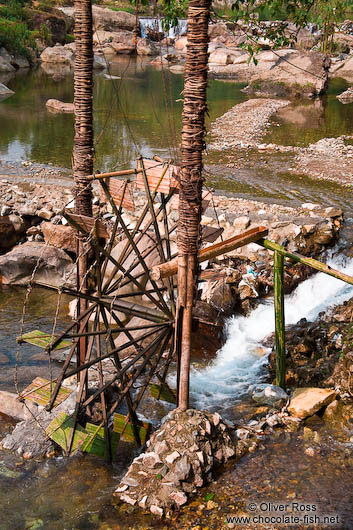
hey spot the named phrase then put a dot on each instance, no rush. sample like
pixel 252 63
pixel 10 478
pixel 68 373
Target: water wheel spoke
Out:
pixel 151 348
pixel 61 377
pixel 81 393
pixel 135 232
pixel 152 371
pixel 146 269
pixel 121 348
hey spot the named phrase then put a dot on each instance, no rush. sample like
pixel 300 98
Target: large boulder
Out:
pixel 109 20
pixel 221 56
pixel 345 69
pixel 146 47
pixel 6 66
pixel 52 265
pixel 58 55
pixel 293 71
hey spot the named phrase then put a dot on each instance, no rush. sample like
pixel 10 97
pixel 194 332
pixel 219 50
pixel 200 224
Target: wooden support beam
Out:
pixel 170 268
pixel 310 262
pixel 278 282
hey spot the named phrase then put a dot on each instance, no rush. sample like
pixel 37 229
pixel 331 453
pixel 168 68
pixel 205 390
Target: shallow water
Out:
pixel 40 313
pixel 304 123
pixel 139 113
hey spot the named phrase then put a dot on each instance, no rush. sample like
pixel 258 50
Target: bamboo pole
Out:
pixel 278 282
pixel 310 262
pixel 165 270
pixel 83 147
pixel 191 179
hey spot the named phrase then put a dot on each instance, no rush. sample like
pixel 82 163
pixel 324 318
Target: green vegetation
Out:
pixel 325 13
pixel 15 34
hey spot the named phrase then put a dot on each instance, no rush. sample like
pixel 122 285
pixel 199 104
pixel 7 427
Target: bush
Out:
pixel 16 38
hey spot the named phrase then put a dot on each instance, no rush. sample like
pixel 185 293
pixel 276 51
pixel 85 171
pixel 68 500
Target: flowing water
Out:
pixel 240 362
pixel 156 24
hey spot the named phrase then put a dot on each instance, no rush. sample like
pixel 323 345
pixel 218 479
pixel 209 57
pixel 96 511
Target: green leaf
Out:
pixel 209 496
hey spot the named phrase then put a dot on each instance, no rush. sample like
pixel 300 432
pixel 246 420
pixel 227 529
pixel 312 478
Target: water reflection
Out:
pixel 139 113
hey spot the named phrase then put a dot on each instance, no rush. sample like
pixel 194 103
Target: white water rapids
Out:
pixel 156 25
pixel 238 364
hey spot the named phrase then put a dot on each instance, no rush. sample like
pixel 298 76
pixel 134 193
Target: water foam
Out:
pixel 238 363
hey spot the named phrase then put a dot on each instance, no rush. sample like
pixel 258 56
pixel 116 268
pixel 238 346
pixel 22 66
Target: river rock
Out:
pixel 307 401
pixel 6 66
pixel 280 73
pixel 58 54
pixel 11 231
pixel 55 267
pixel 11 406
pixel 109 20
pixel 266 394
pixel 194 443
pixel 338 417
pixel 221 56
pixel 5 91
pixel 345 69
pixel 59 236
pixel 29 435
pixel 20 62
pixel 180 45
pixel 346 96
pixel 146 47
pixel 60 106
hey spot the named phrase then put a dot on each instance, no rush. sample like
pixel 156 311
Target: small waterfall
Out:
pixel 238 363
pixel 156 25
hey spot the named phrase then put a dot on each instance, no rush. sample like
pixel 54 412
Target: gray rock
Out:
pixel 5 92
pixel 29 436
pixel 266 394
pixel 55 267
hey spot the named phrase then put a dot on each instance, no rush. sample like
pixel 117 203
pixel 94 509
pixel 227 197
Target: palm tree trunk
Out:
pixel 191 180
pixel 83 142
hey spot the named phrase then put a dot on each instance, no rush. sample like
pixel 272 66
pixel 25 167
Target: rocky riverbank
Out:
pixel 31 214
pixel 243 128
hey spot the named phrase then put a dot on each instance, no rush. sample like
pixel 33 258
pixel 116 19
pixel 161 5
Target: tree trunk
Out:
pixel 83 142
pixel 191 180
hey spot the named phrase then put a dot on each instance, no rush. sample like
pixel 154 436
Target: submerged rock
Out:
pixel 60 106
pixel 266 394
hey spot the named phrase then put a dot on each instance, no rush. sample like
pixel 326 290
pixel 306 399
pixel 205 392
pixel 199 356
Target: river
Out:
pixel 136 117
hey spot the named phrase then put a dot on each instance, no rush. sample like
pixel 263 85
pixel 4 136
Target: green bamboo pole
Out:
pixel 310 262
pixel 278 281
